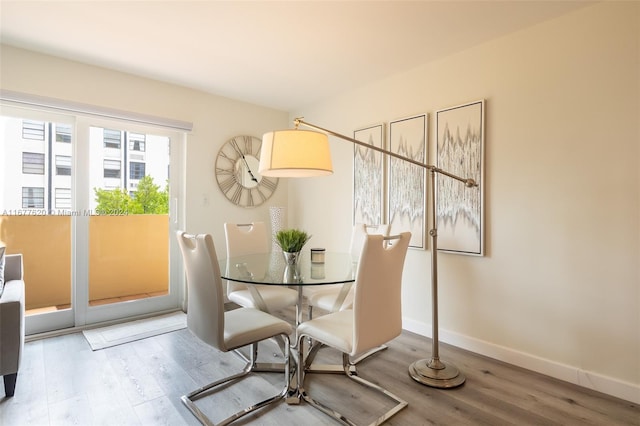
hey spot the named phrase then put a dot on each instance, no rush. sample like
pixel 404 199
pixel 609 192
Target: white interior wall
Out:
pixel 558 289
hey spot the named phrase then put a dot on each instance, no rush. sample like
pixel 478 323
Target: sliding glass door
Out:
pixel 92 206
pixel 127 235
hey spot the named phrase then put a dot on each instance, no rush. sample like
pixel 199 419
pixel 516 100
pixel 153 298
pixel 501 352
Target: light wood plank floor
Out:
pixel 63 382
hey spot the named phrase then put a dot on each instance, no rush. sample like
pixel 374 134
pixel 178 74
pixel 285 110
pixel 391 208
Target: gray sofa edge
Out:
pixel 12 306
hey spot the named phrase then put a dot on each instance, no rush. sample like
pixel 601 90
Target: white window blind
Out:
pixel 60 105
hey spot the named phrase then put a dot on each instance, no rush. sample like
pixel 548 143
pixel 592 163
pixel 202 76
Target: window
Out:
pixel 32 198
pixel 63 133
pixel 136 142
pixel 33 130
pixel 63 198
pixel 63 165
pixel 32 163
pixel 112 138
pixel 112 168
pixel 136 170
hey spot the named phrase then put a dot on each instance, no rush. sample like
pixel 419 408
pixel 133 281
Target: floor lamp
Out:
pixel 304 153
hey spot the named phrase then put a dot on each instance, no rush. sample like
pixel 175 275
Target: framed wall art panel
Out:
pixel 406 181
pixel 460 150
pixel 368 176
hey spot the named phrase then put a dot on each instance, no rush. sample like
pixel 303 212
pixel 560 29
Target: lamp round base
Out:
pixel 436 373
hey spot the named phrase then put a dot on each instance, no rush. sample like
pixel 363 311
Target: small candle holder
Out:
pixel 317 255
pixel 317 271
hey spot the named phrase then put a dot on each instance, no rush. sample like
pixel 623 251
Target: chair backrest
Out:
pixel 377 300
pixel 359 234
pixel 250 238
pixel 205 302
pixel 241 239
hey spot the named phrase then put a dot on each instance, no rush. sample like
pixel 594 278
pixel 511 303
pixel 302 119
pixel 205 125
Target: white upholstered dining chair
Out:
pixel 251 238
pixel 375 317
pixel 225 331
pixel 332 298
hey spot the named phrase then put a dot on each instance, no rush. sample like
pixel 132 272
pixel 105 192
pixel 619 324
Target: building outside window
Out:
pixel 63 133
pixel 112 169
pixel 136 142
pixel 63 165
pixel 33 130
pixel 63 198
pixel 33 163
pixel 32 198
pixel 112 138
pixel 136 170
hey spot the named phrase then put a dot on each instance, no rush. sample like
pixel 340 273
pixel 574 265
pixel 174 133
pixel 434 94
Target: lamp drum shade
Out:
pixel 295 153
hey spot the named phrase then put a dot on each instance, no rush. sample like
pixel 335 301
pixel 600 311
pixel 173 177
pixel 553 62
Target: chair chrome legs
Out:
pixel 349 370
pixel 189 399
pixel 369 353
pixel 314 347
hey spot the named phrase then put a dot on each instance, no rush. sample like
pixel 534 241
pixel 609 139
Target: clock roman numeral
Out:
pixel 237 194
pixel 221 171
pixel 262 196
pixel 250 202
pixel 269 183
pixel 235 146
pixel 227 184
pixel 224 155
pixel 248 144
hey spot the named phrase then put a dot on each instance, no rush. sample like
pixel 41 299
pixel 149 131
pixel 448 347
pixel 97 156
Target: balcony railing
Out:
pixel 128 257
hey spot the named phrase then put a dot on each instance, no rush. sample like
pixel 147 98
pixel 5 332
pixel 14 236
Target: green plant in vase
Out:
pixel 291 242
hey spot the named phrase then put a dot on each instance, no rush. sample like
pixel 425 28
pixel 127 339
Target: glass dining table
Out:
pixel 272 269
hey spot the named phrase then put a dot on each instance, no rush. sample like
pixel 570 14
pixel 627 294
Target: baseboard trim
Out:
pixel 568 373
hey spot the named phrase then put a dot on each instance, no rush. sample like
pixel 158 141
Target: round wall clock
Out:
pixel 237 172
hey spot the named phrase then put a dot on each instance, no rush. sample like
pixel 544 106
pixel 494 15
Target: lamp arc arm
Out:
pixel 467 181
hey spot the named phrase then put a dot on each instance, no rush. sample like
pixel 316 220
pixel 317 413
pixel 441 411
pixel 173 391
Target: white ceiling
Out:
pixel 282 54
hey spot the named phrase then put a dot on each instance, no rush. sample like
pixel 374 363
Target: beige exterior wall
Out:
pixel 45 244
pixel 128 255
